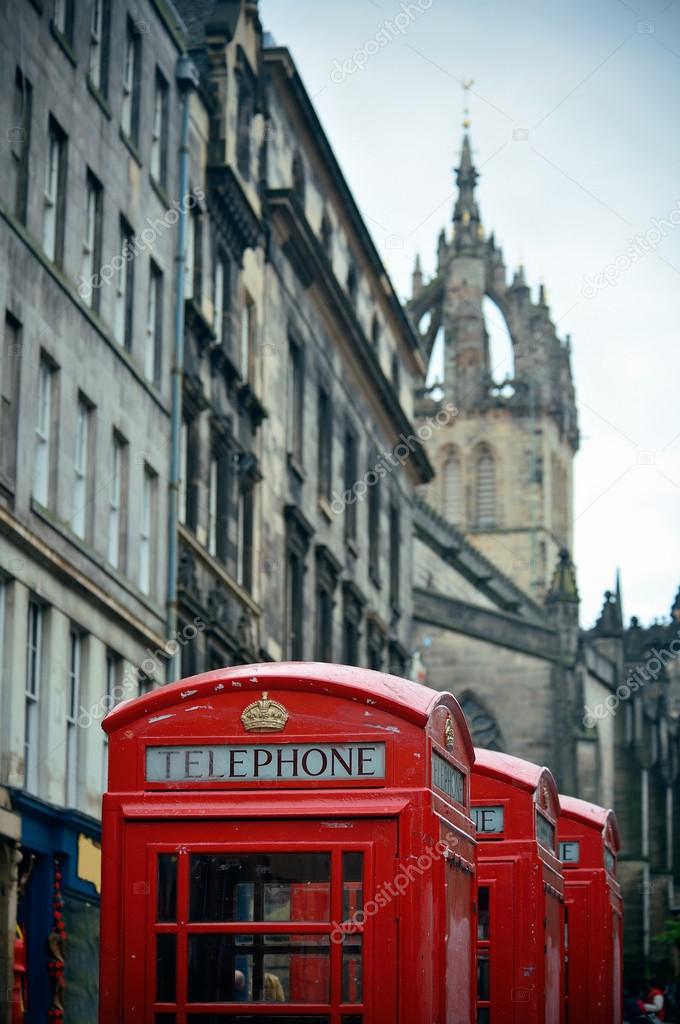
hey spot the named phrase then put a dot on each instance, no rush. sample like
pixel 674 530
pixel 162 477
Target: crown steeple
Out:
pixel 466 220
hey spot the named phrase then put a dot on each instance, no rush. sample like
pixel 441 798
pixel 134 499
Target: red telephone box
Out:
pixel 288 843
pixel 588 838
pixel 520 892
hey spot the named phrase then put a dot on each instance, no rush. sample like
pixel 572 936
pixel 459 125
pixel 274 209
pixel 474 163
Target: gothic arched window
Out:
pixel 485 489
pixel 481 723
pixel 452 489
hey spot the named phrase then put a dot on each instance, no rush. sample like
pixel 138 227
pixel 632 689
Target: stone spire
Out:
pixel 416 279
pixel 466 220
pixel 610 622
pixel 562 603
pixel 563 587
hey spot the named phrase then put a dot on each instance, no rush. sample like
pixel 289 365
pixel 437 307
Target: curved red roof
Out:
pixel 400 697
pixel 589 814
pixel 521 773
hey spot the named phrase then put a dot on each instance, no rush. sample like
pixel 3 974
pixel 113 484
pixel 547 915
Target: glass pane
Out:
pixel 483 912
pixel 483 975
pixel 165 1018
pixel 259 968
pixel 166 968
pixel 167 887
pixel 249 1018
pixel 351 969
pixel 483 1015
pixel 352 1018
pixel 352 884
pixel 259 887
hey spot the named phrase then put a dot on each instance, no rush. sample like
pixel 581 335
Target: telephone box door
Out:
pixel 554 931
pixel 243 921
pixel 496 945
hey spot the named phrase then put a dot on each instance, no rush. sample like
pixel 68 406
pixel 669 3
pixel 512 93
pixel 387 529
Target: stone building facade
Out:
pixel 339 477
pixel 86 307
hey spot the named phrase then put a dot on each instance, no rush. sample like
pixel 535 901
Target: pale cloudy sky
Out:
pixel 575 132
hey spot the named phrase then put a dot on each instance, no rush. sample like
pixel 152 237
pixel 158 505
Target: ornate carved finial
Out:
pixel 264 715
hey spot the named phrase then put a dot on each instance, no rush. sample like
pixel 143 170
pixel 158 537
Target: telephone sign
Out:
pixel 569 853
pixel 272 762
pixel 489 820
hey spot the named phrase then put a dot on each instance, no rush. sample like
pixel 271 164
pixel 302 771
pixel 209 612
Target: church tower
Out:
pixel 504 462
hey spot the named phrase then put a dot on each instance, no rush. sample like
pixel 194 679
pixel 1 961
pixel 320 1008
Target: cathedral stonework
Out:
pixel 504 463
pixel 496 602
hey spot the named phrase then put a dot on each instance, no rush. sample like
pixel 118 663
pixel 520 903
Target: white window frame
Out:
pixel 129 72
pixel 247 315
pixel 34 658
pixel 43 428
pixel 213 484
pixel 158 128
pixel 145 531
pixel 111 680
pixel 59 15
pixel 151 317
pixel 96 50
pixel 74 679
pixel 88 268
pixel 218 318
pixel 115 493
pixel 121 297
pixel 80 469
pixel 51 198
pixel 240 536
pixel 190 260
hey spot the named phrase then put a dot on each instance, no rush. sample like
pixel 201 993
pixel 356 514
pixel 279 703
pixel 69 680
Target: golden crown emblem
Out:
pixel 264 715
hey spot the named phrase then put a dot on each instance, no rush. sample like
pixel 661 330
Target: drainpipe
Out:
pixel 186 76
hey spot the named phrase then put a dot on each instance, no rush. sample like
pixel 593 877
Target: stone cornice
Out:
pixel 310 262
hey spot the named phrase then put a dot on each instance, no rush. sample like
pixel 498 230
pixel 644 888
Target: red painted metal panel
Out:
pixel 221 774
pixel 517 808
pixel 589 840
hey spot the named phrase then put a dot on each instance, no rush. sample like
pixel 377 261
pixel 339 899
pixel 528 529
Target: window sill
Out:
pixel 159 189
pixel 6 486
pixel 295 466
pixel 325 508
pixel 131 146
pixel 99 97
pixel 64 44
pixel 249 401
pixel 352 546
pixel 85 549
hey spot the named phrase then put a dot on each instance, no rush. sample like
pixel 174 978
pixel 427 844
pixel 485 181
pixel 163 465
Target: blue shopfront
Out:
pixel 58 911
